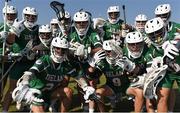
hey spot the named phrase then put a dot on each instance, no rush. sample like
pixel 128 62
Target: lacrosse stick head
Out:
pixel 152 79
pixel 27 48
pixel 59 9
pixel 113 51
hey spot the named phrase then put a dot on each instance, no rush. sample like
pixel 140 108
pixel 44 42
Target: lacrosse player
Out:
pixel 135 49
pixel 9 19
pixel 48 78
pixel 45 36
pixel 52 71
pixel 55 27
pixel 164 11
pixel 11 16
pixel 25 33
pixel 65 25
pixel 140 22
pixel 110 62
pixel 164 57
pixel 84 42
pixel 114 27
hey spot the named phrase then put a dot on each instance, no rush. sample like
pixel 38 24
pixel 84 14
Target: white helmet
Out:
pixel 113 14
pixel 135 44
pixel 54 21
pixel 65 23
pixel 30 16
pixel 81 22
pixel 163 11
pixel 111 55
pixel 12 11
pixel 45 35
pixel 140 22
pixel 59 43
pixel 156 31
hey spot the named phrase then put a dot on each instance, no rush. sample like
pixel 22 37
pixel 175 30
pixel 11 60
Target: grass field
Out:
pixel 123 106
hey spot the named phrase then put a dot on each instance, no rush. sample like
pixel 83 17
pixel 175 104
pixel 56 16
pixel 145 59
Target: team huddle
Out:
pixel 139 61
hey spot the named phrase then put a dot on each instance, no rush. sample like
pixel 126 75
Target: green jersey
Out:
pixel 172 29
pixel 50 74
pixel 26 35
pixel 114 77
pixel 91 39
pixel 140 61
pixel 170 76
pixel 111 29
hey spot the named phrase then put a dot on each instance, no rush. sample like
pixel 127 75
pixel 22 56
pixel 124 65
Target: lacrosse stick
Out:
pixel 4 43
pixel 152 79
pixel 117 49
pixel 124 13
pixel 59 9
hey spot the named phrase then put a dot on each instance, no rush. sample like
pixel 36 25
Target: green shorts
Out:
pixel 169 80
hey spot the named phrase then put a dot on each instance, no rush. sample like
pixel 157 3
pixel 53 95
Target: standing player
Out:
pixel 25 33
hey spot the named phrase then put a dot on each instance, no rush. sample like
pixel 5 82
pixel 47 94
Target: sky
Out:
pixel 98 8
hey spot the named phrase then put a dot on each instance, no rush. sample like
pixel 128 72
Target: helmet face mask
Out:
pixel 65 23
pixel 11 14
pixel 81 22
pixel 59 53
pixel 111 54
pixel 140 25
pixel 163 11
pixel 54 27
pixel 45 38
pixel 10 18
pixel 157 37
pixel 30 16
pixel 82 26
pixel 45 34
pixel 156 31
pixel 59 49
pixel 135 44
pixel 113 14
pixel 135 48
pixel 140 22
pixel 165 17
